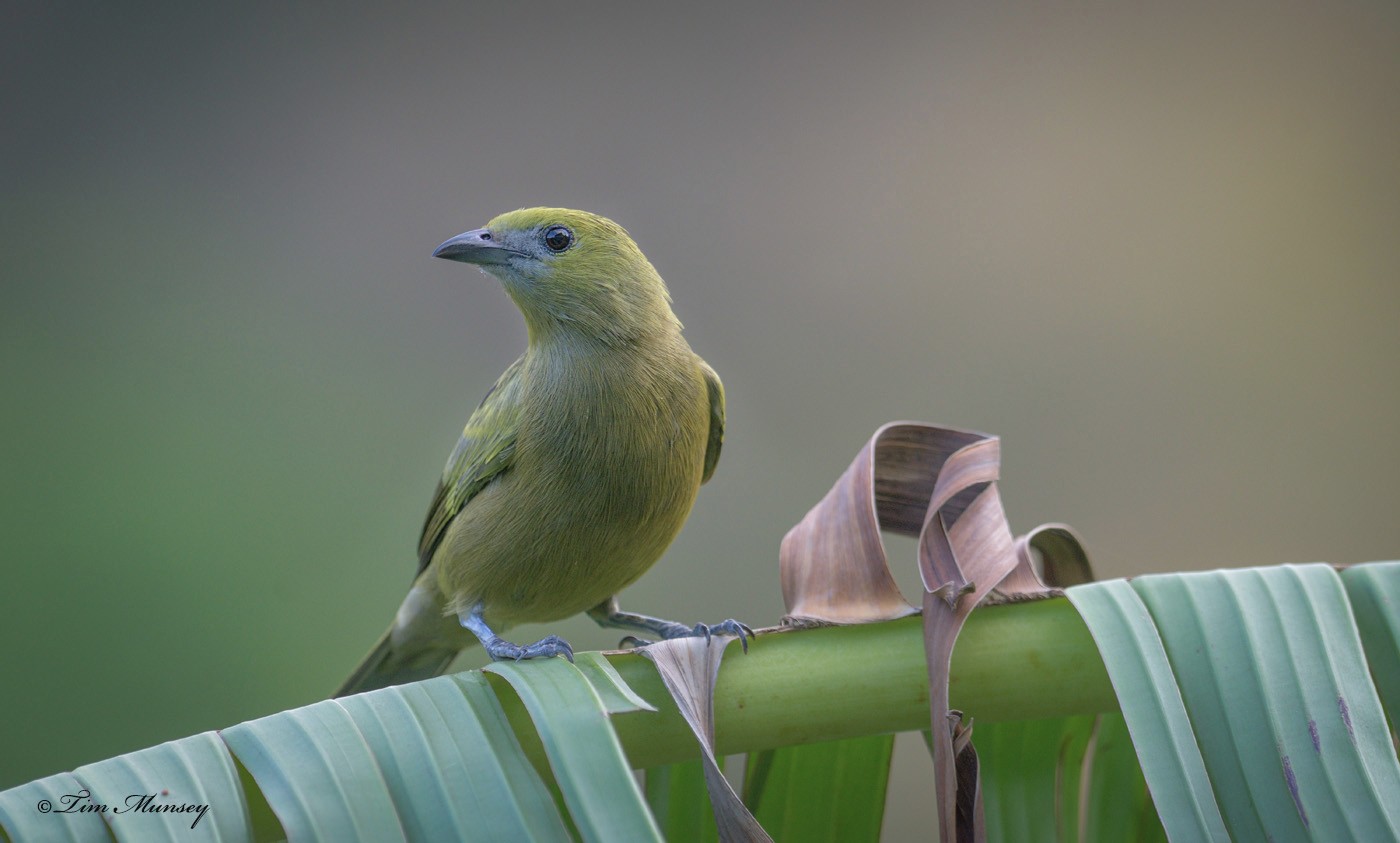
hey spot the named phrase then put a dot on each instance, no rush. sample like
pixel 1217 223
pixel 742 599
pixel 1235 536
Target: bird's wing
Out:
pixel 716 390
pixel 486 449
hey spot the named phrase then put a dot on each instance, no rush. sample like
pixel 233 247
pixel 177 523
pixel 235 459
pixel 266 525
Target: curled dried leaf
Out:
pixel 833 563
pixel 1063 562
pixel 940 485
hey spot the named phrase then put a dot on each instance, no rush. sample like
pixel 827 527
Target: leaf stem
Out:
pixel 1019 661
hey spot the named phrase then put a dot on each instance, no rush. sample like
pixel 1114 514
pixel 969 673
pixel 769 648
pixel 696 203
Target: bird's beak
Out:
pixel 478 246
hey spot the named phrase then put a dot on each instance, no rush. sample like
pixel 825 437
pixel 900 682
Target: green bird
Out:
pixel 578 468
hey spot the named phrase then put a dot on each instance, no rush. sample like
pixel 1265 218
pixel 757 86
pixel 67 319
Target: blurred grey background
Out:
pixel 1157 250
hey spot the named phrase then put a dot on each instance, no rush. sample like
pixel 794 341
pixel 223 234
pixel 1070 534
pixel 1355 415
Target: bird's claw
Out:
pixel 727 627
pixel 550 645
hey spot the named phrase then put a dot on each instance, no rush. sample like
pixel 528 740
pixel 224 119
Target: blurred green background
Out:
pixel 1157 250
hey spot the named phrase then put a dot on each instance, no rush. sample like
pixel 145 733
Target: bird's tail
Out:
pixel 386 665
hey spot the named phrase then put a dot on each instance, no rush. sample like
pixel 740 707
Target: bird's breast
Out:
pixel 630 433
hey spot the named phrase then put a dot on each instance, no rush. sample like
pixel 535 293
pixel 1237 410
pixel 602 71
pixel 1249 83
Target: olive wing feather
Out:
pixel 484 452
pixel 716 440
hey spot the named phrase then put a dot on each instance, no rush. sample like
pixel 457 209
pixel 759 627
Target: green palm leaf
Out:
pixel 833 790
pixel 584 753
pixel 1285 728
pixel 1250 688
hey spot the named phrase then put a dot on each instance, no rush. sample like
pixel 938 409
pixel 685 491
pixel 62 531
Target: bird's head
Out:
pixel 572 273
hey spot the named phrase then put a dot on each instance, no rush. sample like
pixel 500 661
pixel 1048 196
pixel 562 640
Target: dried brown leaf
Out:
pixel 1063 560
pixel 689 668
pixel 832 563
pixel 940 485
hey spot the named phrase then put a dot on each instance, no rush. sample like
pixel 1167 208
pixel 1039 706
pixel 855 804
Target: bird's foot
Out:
pixel 670 630
pixel 607 613
pixel 500 649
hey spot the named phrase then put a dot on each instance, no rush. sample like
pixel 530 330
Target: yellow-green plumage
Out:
pixel 583 461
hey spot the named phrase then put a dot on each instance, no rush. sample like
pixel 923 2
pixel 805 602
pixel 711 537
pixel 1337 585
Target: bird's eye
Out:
pixel 558 238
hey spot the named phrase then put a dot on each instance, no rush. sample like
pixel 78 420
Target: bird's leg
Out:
pixel 500 649
pixel 607 613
